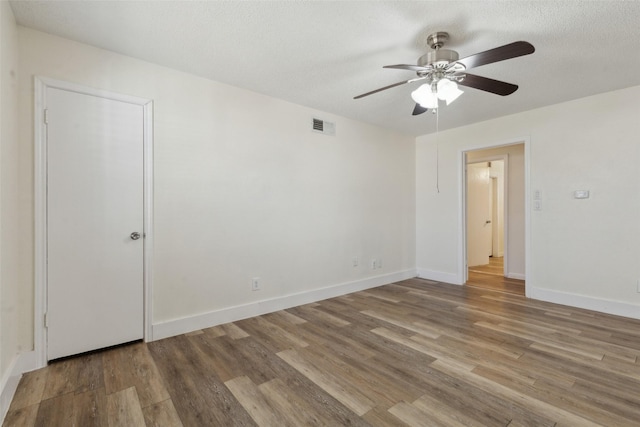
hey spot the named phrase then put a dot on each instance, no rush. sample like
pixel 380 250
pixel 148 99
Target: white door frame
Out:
pixel 462 223
pixel 40 180
pixel 505 216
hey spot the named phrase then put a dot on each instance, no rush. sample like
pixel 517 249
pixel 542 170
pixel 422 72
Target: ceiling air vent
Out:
pixel 324 127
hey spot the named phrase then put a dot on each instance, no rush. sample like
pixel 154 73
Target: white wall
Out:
pixel 515 256
pixel 243 187
pixel 582 252
pixel 11 307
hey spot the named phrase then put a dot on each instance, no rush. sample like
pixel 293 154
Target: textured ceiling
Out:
pixel 321 54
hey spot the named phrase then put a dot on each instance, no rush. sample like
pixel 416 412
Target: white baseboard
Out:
pixel 516 276
pixel 23 362
pixel 590 303
pixel 231 314
pixel 439 276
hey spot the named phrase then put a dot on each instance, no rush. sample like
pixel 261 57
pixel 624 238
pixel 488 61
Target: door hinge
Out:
pixel 46 116
pixel 46 320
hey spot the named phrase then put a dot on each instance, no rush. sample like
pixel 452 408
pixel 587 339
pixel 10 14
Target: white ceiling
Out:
pixel 321 54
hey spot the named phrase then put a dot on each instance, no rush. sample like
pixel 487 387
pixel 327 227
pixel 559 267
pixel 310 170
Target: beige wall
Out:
pixel 581 250
pixel 243 187
pixel 12 308
pixel 515 201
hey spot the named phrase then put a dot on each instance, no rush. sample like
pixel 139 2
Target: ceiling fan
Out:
pixel 443 71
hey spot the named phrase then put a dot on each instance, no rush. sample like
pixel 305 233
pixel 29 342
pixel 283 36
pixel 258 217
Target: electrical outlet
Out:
pixel 355 261
pixel 374 263
pixel 255 284
pixel 379 263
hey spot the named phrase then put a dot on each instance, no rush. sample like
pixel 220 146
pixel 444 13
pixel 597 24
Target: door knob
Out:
pixel 135 235
pixel 488 222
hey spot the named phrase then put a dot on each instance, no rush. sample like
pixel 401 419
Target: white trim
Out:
pixel 40 222
pixel 528 285
pixel 590 303
pixel 148 219
pixel 463 269
pixel 516 276
pixel 439 276
pixel 8 386
pixel 231 314
pixel 462 243
pixel 40 177
pixel 23 362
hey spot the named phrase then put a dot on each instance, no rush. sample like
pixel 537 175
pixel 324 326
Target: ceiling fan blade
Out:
pixel 489 85
pixel 388 87
pixel 408 67
pixel 419 109
pixel 508 51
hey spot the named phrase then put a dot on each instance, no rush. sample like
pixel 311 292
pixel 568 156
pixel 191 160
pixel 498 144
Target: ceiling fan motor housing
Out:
pixel 438 58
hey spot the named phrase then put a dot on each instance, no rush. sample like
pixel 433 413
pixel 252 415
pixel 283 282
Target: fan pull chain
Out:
pixel 438 150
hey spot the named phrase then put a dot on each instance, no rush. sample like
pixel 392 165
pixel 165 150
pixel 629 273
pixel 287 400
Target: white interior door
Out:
pixel 479 228
pixel 94 204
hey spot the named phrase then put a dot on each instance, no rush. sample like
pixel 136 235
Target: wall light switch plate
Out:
pixel 537 205
pixel 581 194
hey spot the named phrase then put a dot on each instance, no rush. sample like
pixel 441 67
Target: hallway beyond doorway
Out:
pixel 491 276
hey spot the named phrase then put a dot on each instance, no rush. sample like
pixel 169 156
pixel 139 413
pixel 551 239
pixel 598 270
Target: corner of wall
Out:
pixel 21 363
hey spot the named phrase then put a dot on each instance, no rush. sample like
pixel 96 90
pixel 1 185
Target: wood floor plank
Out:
pixel 161 414
pixel 413 416
pixel 24 416
pixel 76 374
pixel 308 395
pixel 446 414
pixel 234 331
pixel 215 331
pixel 423 348
pixel 382 417
pixel 271 334
pixel 536 406
pixel 30 389
pixel 252 399
pixel 287 402
pixel 133 365
pixel 287 317
pixel 339 342
pixel 374 384
pixel 199 397
pixel 335 386
pixel 410 326
pixel 56 411
pixel 235 358
pixel 416 352
pixel 91 409
pixel 123 409
pixel 322 317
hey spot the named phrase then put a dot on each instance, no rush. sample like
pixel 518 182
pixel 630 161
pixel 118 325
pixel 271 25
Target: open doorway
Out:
pixel 494 191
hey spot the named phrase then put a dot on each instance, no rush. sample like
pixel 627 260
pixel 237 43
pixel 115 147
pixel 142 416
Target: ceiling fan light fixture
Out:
pixel 425 96
pixel 448 90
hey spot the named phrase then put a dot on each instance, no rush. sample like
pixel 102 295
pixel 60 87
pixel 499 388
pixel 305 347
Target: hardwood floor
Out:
pixel 495 266
pixel 415 353
pixel 491 276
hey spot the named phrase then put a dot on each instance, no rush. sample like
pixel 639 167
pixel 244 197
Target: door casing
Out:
pixel 40 180
pixel 462 212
